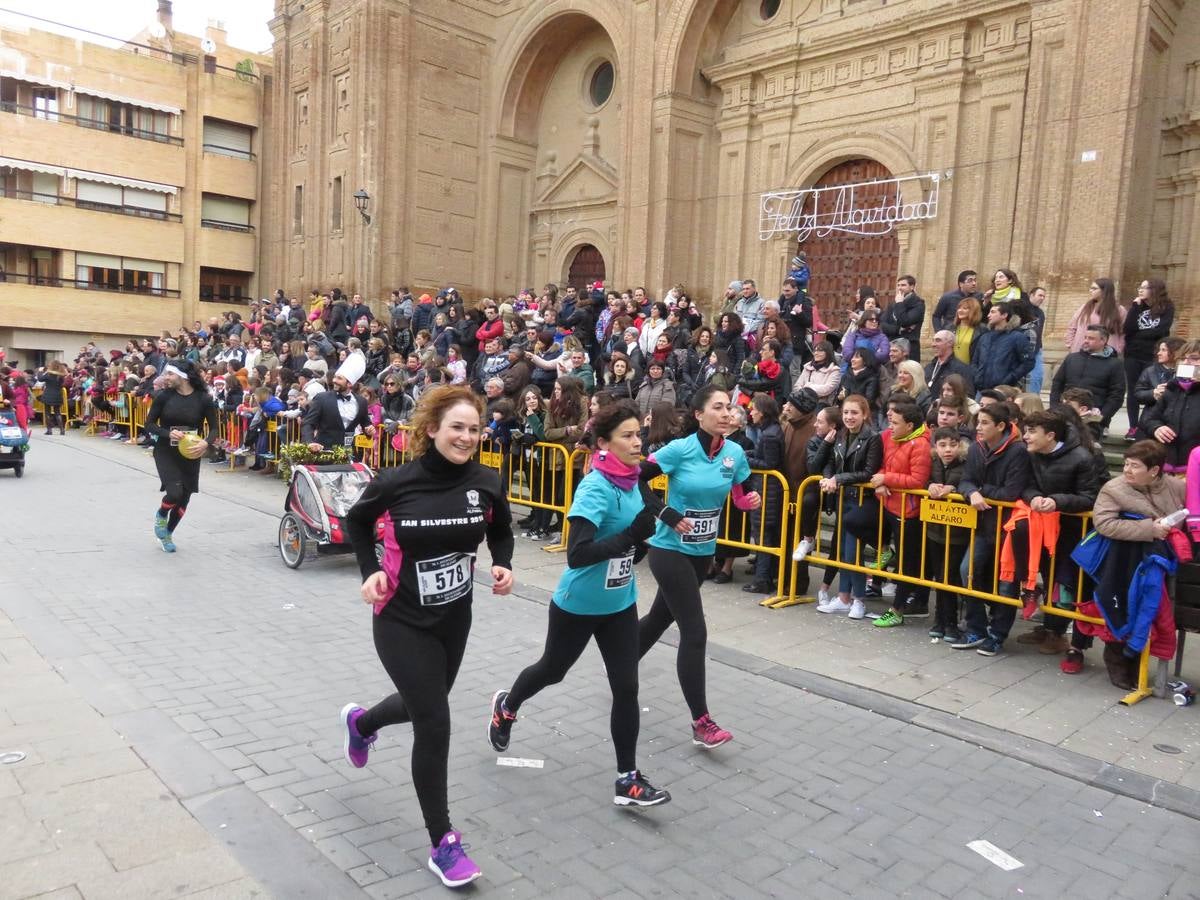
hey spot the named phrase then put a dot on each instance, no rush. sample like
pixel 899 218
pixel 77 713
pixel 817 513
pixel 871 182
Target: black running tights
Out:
pixel 422 663
pixel 174 504
pixel 678 600
pixel 567 634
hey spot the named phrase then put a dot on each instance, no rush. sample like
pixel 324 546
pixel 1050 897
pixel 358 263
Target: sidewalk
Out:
pixel 82 815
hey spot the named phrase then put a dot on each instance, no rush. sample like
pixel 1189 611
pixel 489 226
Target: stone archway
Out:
pixel 585 266
pixel 842 263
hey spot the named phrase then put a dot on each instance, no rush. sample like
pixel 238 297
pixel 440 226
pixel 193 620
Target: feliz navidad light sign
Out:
pixel 864 208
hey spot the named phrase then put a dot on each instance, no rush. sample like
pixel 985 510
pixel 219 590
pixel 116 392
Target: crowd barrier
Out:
pixel 952 512
pixel 543 476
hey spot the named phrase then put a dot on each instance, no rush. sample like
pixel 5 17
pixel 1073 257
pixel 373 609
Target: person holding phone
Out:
pixel 1174 419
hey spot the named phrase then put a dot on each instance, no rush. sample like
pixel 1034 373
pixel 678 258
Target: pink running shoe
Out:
pixel 355 747
pixel 449 861
pixel 708 734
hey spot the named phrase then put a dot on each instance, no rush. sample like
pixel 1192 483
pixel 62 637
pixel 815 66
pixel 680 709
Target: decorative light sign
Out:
pixel 866 208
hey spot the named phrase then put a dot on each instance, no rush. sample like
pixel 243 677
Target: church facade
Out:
pixel 509 143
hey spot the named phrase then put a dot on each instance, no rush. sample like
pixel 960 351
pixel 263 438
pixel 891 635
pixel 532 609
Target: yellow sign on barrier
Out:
pixel 943 512
pixel 492 459
pixel 658 483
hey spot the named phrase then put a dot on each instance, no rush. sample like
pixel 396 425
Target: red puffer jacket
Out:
pixel 907 463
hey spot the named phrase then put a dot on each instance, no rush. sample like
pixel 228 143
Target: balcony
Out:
pixel 35 113
pixel 62 304
pixel 79 284
pixel 93 227
pixel 45 139
pixel 232 176
pixel 60 200
pixel 223 248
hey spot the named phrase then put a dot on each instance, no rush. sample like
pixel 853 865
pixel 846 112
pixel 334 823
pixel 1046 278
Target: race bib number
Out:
pixel 704 525
pixel 620 572
pixel 348 440
pixel 444 579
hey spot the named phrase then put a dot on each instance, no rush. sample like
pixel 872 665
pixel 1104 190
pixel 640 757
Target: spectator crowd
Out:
pixel 950 399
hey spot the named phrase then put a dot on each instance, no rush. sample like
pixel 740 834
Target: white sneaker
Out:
pixel 822 597
pixel 858 609
pixel 889 589
pixel 802 550
pixel 835 605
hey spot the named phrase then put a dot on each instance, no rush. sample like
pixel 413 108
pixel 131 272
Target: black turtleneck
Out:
pixel 435 514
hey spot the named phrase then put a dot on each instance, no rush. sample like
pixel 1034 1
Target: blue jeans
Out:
pixel 853 583
pixel 1038 375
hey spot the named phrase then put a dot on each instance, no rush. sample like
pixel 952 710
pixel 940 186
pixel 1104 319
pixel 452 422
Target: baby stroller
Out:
pixel 14 441
pixel 317 501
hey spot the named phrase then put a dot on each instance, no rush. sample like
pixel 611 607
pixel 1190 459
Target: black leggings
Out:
pixel 52 418
pixel 682 605
pixel 422 663
pixel 1133 371
pixel 174 504
pixel 567 634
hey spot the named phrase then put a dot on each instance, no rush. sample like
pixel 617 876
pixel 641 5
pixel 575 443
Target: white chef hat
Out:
pixel 353 368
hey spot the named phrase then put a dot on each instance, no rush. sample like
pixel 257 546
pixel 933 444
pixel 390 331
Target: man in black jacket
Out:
pixel 1096 367
pixel 796 310
pixel 945 364
pixel 1064 481
pixel 947 306
pixel 332 416
pixel 997 468
pixel 906 315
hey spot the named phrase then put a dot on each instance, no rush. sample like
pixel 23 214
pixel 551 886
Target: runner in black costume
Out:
pixel 183 405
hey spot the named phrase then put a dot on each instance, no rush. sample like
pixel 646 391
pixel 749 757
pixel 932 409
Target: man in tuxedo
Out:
pixel 331 416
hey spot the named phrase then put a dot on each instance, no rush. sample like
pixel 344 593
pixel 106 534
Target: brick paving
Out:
pixel 227 690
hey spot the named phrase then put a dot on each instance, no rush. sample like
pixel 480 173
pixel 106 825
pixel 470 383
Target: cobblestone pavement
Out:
pixel 223 672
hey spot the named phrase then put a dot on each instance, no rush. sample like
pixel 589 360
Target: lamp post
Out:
pixel 361 199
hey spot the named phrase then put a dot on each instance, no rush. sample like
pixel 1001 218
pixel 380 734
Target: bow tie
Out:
pixel 345 396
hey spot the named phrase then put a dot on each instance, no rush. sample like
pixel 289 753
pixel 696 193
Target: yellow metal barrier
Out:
pixel 546 475
pixel 947 513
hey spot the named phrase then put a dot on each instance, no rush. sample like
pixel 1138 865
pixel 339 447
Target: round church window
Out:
pixel 600 87
pixel 768 8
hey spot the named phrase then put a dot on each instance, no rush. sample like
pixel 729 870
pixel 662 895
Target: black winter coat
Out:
pixel 1152 376
pixel 1104 376
pixel 865 383
pixel 768 454
pixel 1067 475
pixel 903 319
pixel 1179 410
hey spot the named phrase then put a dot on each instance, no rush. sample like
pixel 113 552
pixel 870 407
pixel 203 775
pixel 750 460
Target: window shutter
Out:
pixel 233 210
pixel 227 138
pixel 94 192
pixel 146 199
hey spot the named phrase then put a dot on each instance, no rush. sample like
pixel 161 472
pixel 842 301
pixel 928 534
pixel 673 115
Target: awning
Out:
pixel 26 166
pixel 123 182
pixel 90 91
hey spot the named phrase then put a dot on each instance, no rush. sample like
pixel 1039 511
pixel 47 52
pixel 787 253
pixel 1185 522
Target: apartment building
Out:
pixel 129 181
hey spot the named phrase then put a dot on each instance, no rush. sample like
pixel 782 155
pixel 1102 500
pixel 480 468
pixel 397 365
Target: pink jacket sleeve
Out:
pixel 1193 494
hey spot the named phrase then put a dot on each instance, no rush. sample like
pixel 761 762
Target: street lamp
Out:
pixel 361 199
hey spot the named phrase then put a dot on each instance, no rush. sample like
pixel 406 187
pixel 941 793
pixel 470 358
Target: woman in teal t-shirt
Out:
pixel 611 516
pixel 703 469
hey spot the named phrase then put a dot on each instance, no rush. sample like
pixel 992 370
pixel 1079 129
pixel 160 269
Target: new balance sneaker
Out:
pixel 889 619
pixel 161 527
pixel 858 609
pixel 802 550
pixel 968 641
pixel 834 604
pixel 989 647
pixel 500 726
pixel 449 861
pixel 708 734
pixel 634 790
pixel 355 747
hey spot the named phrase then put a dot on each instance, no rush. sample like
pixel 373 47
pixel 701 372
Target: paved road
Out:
pixel 224 672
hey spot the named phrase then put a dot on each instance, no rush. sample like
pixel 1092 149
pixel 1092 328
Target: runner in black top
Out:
pixel 438 509
pixel 181 407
